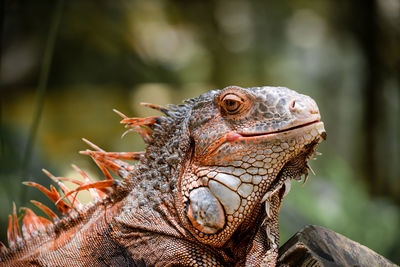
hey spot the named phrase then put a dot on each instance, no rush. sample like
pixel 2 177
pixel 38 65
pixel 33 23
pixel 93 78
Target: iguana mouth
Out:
pixel 234 136
pixel 279 131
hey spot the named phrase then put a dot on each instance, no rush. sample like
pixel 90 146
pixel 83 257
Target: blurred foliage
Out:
pixel 115 54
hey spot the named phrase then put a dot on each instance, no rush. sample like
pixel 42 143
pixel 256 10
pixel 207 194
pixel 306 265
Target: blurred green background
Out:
pixel 65 65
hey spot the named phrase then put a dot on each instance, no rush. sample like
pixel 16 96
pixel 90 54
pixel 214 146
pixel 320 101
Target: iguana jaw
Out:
pixel 230 172
pixel 298 164
pixel 295 168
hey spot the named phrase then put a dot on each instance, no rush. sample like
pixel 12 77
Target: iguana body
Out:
pixel 206 192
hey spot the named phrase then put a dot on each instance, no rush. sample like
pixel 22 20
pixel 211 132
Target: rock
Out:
pixel 317 246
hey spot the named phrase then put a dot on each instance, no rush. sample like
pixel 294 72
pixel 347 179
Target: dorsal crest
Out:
pixel 68 205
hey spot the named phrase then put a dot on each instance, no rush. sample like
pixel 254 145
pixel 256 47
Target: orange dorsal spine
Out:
pixel 106 161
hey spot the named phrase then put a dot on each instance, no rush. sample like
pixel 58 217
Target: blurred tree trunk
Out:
pixel 380 51
pixel 366 32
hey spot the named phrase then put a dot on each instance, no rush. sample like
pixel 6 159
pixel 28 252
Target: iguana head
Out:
pixel 246 143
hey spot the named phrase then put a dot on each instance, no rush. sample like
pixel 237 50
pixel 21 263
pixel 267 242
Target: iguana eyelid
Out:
pixel 232 94
pixel 233 99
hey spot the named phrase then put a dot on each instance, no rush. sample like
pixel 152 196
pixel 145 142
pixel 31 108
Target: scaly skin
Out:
pixel 206 192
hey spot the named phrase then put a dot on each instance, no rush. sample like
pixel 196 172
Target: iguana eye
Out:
pixel 232 103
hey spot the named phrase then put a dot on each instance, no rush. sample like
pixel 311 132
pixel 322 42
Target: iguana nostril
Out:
pixel 292 106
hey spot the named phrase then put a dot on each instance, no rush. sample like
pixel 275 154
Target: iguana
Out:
pixel 206 191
